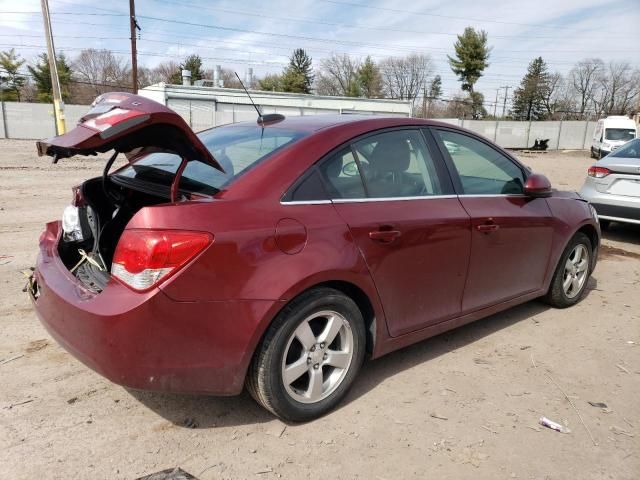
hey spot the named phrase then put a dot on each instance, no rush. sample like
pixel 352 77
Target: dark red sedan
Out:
pixel 278 254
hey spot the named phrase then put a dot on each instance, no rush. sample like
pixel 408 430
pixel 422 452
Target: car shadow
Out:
pixel 623 232
pixel 206 412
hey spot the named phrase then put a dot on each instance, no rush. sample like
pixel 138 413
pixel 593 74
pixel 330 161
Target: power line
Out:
pixel 313 21
pixel 467 19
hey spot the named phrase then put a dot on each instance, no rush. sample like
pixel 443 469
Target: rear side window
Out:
pixel 482 169
pixel 341 176
pixel 397 164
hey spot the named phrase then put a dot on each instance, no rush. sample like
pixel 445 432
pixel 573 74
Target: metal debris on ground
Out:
pixel 598 404
pixel 545 422
pixel 169 474
pixel 438 416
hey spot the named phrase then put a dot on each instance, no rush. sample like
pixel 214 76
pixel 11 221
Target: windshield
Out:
pixel 625 134
pixel 628 150
pixel 236 148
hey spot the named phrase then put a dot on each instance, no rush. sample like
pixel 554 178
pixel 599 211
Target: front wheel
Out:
pixel 570 278
pixel 309 357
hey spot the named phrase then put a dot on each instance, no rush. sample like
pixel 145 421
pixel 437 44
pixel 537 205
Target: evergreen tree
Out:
pixel 472 55
pixel 11 62
pixel 42 77
pixel 298 76
pixel 271 83
pixel 369 79
pixel 435 88
pixel 193 63
pixel 529 98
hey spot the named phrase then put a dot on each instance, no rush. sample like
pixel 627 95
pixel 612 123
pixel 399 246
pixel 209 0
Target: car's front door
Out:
pixel 511 233
pixel 406 220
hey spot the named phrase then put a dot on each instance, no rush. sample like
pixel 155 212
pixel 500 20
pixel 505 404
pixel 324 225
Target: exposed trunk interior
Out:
pixel 109 207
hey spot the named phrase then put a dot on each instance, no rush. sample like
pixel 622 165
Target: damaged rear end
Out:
pixel 94 244
pixel 96 285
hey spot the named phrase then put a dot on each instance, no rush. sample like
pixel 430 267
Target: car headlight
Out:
pixel 606 145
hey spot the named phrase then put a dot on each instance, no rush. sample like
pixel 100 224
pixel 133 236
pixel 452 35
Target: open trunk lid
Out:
pixel 128 124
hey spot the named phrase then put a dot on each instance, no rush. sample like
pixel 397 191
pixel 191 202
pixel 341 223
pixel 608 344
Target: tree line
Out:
pixel 591 87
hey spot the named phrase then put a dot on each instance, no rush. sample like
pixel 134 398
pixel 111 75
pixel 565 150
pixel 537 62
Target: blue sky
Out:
pixel 261 34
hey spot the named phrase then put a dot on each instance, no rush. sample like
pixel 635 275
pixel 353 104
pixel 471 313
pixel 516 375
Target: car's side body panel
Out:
pixel 505 262
pixel 420 275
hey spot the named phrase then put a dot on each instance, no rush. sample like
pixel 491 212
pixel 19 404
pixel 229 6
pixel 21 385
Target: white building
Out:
pixel 204 107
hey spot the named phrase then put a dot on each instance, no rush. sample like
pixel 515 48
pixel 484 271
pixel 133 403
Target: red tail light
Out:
pixel 144 258
pixel 598 172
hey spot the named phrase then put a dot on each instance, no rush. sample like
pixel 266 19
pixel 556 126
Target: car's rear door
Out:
pixel 511 233
pixel 396 196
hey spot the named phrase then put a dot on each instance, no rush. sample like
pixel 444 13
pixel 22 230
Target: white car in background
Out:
pixel 611 133
pixel 613 185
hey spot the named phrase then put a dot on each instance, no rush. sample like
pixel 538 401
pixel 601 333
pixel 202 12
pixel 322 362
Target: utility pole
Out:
pixel 506 94
pixel 58 104
pixel 495 105
pixel 133 24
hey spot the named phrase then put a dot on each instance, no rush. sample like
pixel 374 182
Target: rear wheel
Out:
pixel 571 275
pixel 309 357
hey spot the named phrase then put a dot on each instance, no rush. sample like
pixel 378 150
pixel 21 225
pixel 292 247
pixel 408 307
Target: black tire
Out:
pixel 605 224
pixel 591 154
pixel 556 295
pixel 265 379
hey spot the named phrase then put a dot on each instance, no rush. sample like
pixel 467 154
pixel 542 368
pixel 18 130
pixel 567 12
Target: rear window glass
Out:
pixel 236 148
pixel 628 150
pixel 625 134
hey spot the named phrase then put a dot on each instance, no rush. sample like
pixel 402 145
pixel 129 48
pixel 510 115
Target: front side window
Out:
pixel 482 169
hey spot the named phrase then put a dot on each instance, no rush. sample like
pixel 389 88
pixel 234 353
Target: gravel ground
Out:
pixel 461 405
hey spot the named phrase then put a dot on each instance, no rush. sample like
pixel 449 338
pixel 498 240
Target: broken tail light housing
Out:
pixel 115 121
pixel 598 172
pixel 145 258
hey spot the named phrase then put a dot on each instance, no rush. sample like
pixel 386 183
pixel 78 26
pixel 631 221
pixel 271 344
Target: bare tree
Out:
pixel 163 72
pixel 619 87
pixel 102 70
pixel 338 76
pixel 584 77
pixel 405 77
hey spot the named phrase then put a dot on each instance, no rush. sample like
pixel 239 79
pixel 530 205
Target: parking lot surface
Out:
pixel 465 404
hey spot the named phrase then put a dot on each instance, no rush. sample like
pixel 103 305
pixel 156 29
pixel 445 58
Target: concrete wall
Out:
pixel 35 121
pixel 514 134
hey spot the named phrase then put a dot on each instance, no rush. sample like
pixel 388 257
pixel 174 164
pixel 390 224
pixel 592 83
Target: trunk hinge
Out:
pixel 176 180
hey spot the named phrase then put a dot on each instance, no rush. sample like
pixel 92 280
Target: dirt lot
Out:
pixel 462 405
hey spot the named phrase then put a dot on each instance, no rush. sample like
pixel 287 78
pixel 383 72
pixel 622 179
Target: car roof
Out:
pixel 312 123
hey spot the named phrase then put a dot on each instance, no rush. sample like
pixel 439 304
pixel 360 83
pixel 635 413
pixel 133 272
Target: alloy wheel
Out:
pixel 576 270
pixel 317 356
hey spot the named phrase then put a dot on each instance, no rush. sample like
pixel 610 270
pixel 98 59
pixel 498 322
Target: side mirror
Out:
pixel 537 186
